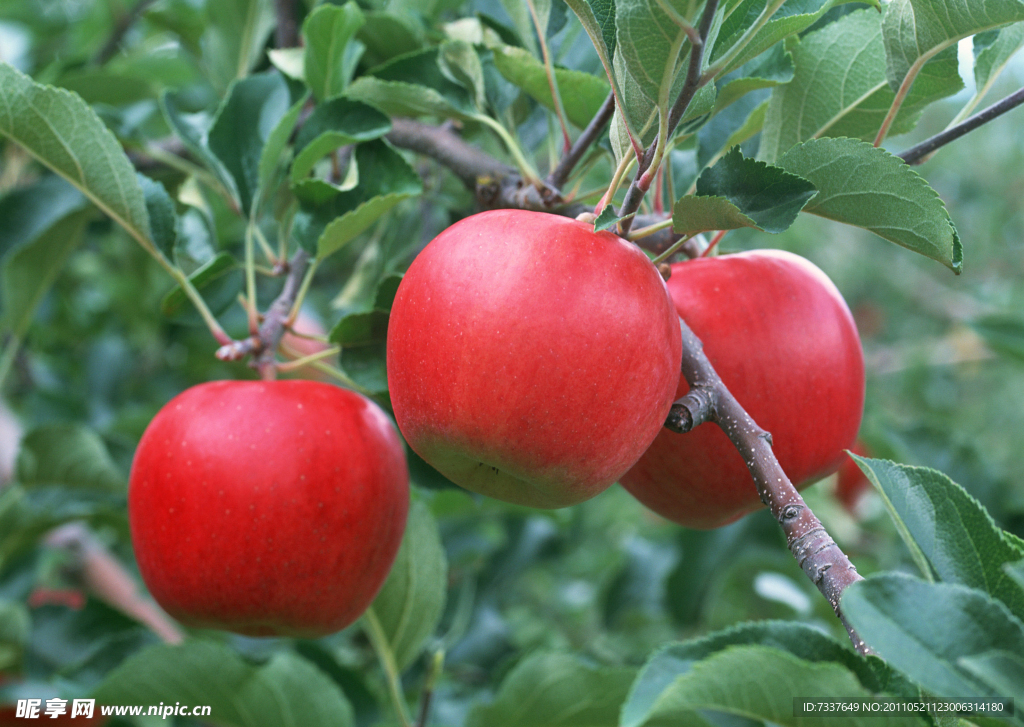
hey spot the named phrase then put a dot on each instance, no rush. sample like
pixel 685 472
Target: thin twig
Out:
pixel 99 572
pixel 694 80
pixel 568 162
pixel 121 28
pixel 917 154
pixel 286 33
pixel 273 326
pixel 814 549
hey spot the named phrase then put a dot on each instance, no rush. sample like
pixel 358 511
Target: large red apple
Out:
pixel 267 508
pixel 781 337
pixel 531 359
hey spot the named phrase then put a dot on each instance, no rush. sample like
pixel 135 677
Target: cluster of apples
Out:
pixel 529 359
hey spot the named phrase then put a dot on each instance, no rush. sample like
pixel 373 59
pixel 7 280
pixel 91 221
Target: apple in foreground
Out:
pixel 779 334
pixel 531 359
pixel 267 508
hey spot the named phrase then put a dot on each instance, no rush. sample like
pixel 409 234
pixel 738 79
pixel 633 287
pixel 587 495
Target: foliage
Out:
pixel 143 187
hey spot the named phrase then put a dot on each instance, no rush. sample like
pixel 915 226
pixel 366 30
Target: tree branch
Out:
pixel 286 34
pixel 814 549
pixel 124 24
pixel 568 162
pixel 918 154
pixel 98 572
pixel 263 345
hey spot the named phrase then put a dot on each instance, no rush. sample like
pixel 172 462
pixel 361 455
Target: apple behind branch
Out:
pixel 779 334
pixel 531 359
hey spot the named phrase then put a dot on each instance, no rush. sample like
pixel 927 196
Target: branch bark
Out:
pixel 263 345
pixel 561 172
pixel 815 551
pixel 920 153
pixel 98 572
pixel 124 24
pixel 286 33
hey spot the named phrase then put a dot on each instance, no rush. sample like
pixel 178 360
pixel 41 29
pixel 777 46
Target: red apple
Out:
pixel 531 359
pixel 852 482
pixel 781 337
pixel 267 508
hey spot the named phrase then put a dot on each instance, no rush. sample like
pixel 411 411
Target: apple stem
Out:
pixel 814 549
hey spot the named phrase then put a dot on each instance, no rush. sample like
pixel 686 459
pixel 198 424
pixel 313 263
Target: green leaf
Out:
pixel 1003 333
pixel 959 540
pixel 361 329
pixel 219 280
pixel 58 129
pixel 732 683
pixel 276 143
pixel 244 123
pixel 607 219
pixel 287 690
pixel 840 89
pixel 386 179
pixel 387 36
pixel 522 20
pixel 654 48
pixel 69 455
pixel 992 51
pixel 414 85
pixel 163 217
pixel 927 630
pixel 30 269
pixel 742 192
pixel 790 19
pixel 556 690
pixel 236 32
pixel 15 630
pixel 459 61
pixel 387 289
pixel 916 30
pixel 328 30
pixel 598 19
pixel 27 212
pixel 1001 670
pixel 366 365
pixel 582 94
pixel 808 645
pixel 334 124
pixel 290 61
pixel 194 137
pixel 865 186
pixel 409 606
pixel 731 126
pixel 766 71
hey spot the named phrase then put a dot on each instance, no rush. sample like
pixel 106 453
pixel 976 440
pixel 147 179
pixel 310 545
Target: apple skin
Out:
pixel 779 334
pixel 267 508
pixel 531 359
